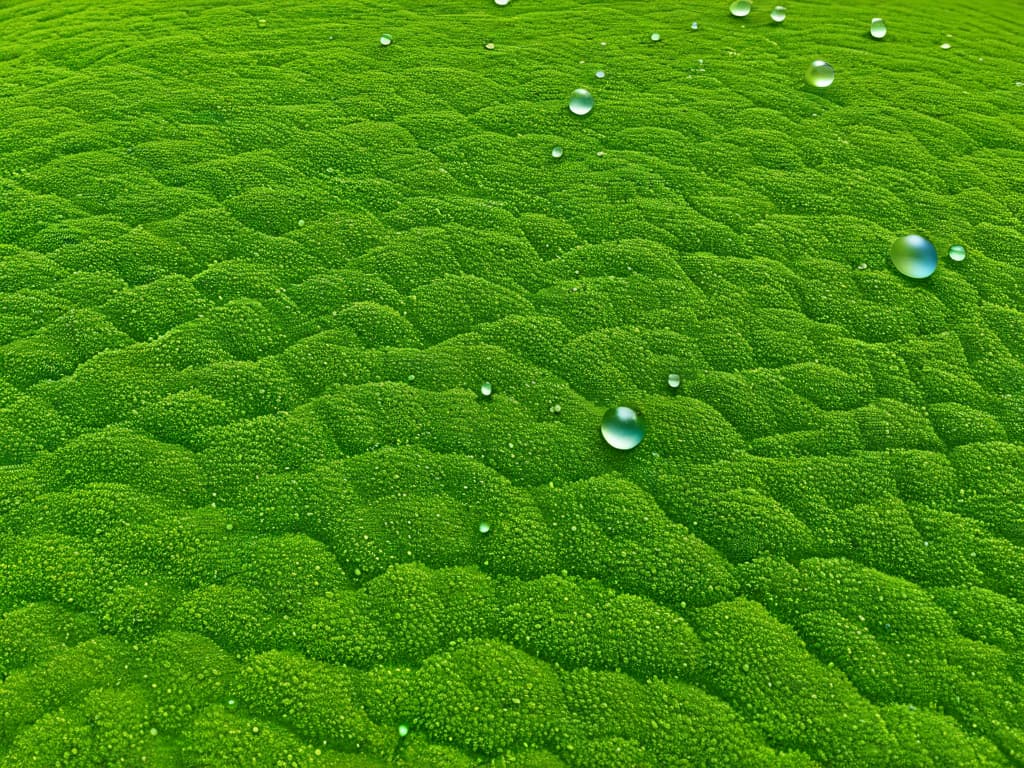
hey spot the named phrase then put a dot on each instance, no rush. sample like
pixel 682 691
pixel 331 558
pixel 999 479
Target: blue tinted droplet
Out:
pixel 914 256
pixel 957 252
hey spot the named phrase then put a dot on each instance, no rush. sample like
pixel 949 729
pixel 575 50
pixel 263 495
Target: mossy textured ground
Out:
pixel 254 267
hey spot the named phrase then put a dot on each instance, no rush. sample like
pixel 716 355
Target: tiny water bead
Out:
pixel 740 8
pixel 957 252
pixel 778 14
pixel 878 29
pixel 914 256
pixel 484 527
pixel 820 74
pixel 673 381
pixel 403 730
pixel 945 46
pixel 599 74
pixel 557 152
pixel 386 39
pixel 486 389
pixel 502 2
pixel 489 46
pixel 623 428
pixel 655 37
pixel 695 26
pixel 581 102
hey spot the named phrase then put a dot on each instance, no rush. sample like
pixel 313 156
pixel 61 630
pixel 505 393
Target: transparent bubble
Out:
pixel 486 389
pixel 878 29
pixel 914 256
pixel 820 74
pixel 674 381
pixel 623 428
pixel 957 252
pixel 740 8
pixel 557 152
pixel 581 102
pixel 386 39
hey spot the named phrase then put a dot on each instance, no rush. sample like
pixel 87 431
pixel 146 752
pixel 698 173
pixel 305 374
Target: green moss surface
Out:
pixel 254 267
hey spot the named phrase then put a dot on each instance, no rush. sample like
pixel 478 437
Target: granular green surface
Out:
pixel 255 266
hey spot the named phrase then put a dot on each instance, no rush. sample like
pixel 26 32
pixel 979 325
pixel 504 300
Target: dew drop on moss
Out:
pixel 623 428
pixel 484 527
pixel 599 74
pixel 673 381
pixel 655 37
pixel 740 8
pixel 778 14
pixel 914 256
pixel 878 29
pixel 820 74
pixel 695 26
pixel 501 2
pixel 403 730
pixel 486 389
pixel 957 252
pixel 557 152
pixel 555 409
pixel 386 39
pixel 581 102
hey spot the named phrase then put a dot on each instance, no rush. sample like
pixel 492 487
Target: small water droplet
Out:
pixel 261 22
pixel 486 389
pixel 581 102
pixel 623 428
pixel 403 730
pixel 484 527
pixel 501 2
pixel 556 409
pixel 655 37
pixel 386 39
pixel 740 8
pixel 957 252
pixel 557 152
pixel 695 26
pixel 599 74
pixel 232 704
pixel 674 381
pixel 778 14
pixel 820 74
pixel 878 29
pixel 914 256
pixel 945 46
pixel 489 46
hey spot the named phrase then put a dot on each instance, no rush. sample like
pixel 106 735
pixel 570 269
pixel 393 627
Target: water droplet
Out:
pixel 557 152
pixel 386 39
pixel 599 74
pixel 695 26
pixel 489 46
pixel 914 256
pixel 820 74
pixel 556 409
pixel 581 102
pixel 261 22
pixel 655 37
pixel 740 8
pixel 232 704
pixel 501 2
pixel 957 252
pixel 878 29
pixel 673 381
pixel 403 729
pixel 623 428
pixel 484 527
pixel 945 46
pixel 486 389
pixel 778 14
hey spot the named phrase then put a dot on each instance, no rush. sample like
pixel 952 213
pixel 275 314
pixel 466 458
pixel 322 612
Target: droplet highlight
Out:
pixel 599 74
pixel 820 74
pixel 581 102
pixel 403 730
pixel 778 14
pixel 878 29
pixel 486 389
pixel 502 2
pixel 914 256
pixel 557 152
pixel 957 252
pixel 740 8
pixel 484 527
pixel 623 428
pixel 674 381
pixel 386 39
pixel 655 37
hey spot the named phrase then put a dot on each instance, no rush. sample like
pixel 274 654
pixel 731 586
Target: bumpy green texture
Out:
pixel 254 268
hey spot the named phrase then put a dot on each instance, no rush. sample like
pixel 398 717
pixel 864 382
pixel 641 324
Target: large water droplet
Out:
pixel 486 389
pixel 623 428
pixel 557 152
pixel 740 8
pixel 673 381
pixel 386 39
pixel 957 252
pixel 945 46
pixel 914 256
pixel 878 29
pixel 820 74
pixel 581 102
pixel 778 14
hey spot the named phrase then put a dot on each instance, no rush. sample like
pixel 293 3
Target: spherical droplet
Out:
pixel 581 102
pixel 740 8
pixel 489 46
pixel 655 37
pixel 261 22
pixel 556 409
pixel 386 39
pixel 501 2
pixel 232 704
pixel 673 381
pixel 557 152
pixel 878 29
pixel 484 527
pixel 914 256
pixel 403 730
pixel 599 74
pixel 623 428
pixel 957 252
pixel 778 14
pixel 945 46
pixel 820 74
pixel 695 26
pixel 486 389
